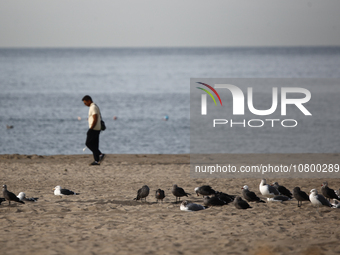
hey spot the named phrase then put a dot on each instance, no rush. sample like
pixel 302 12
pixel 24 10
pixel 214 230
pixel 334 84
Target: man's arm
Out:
pixel 95 119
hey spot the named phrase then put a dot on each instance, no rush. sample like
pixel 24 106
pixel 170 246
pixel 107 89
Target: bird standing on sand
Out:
pixel 283 190
pixel 300 195
pixel 22 197
pixel 328 192
pixel 317 199
pixel 58 191
pixel 205 190
pixel 187 206
pixel 9 196
pixel 240 203
pixel 250 196
pixel 267 190
pixel 178 192
pixel 142 193
pixel 160 195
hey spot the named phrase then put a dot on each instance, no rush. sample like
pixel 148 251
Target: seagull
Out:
pixel 178 192
pixel 279 198
pixel 22 197
pixel 328 192
pixel 336 204
pixel 267 190
pixel 250 196
pixel 213 201
pixel 240 203
pixel 300 195
pixel 282 189
pixel 1 200
pixel 160 195
pixel 58 191
pixel 225 197
pixel 187 206
pixel 317 199
pixel 205 190
pixel 142 193
pixel 9 196
pixel 337 192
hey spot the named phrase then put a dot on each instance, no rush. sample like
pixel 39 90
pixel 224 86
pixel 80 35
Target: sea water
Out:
pixel 146 89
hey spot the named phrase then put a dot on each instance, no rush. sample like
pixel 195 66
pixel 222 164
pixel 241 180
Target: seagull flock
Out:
pixel 274 192
pixel 21 198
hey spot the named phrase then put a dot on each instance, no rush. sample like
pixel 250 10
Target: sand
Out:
pixel 104 219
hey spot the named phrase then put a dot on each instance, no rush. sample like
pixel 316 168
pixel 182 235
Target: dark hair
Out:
pixel 86 98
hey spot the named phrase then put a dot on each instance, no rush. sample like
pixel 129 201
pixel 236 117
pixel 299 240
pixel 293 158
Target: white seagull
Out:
pixel 267 190
pixel 58 191
pixel 22 197
pixel 317 199
pixel 336 204
pixel 187 206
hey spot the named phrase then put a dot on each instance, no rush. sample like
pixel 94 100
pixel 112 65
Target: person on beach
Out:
pixel 92 139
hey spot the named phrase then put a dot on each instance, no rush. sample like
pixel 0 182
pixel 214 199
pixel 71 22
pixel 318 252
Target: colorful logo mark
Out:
pixel 208 92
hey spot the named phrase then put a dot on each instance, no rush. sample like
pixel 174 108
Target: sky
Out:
pixel 169 23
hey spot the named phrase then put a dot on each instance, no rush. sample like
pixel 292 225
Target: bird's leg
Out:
pixel 317 210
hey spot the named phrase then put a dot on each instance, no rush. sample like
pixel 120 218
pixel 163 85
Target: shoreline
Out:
pixel 144 159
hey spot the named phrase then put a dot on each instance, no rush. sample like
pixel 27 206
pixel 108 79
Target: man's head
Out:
pixel 87 100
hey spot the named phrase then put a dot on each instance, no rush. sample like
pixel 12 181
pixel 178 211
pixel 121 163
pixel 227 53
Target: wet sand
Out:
pixel 104 218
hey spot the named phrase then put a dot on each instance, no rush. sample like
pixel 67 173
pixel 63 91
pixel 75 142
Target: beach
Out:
pixel 104 218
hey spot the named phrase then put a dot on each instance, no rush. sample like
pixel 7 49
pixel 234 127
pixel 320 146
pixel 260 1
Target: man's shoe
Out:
pixel 95 163
pixel 101 157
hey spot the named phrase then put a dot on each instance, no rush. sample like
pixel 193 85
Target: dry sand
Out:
pixel 104 219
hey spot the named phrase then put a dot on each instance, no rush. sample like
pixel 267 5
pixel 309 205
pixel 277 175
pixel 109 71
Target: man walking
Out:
pixel 92 139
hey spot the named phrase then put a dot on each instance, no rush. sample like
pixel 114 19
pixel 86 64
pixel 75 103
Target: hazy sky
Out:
pixel 166 23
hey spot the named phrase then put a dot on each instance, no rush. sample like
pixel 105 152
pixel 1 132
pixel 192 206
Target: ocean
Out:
pixel 147 89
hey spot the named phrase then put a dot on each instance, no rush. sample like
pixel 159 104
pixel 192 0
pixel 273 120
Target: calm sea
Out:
pixel 41 92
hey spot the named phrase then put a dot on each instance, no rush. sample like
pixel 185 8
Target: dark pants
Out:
pixel 92 142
